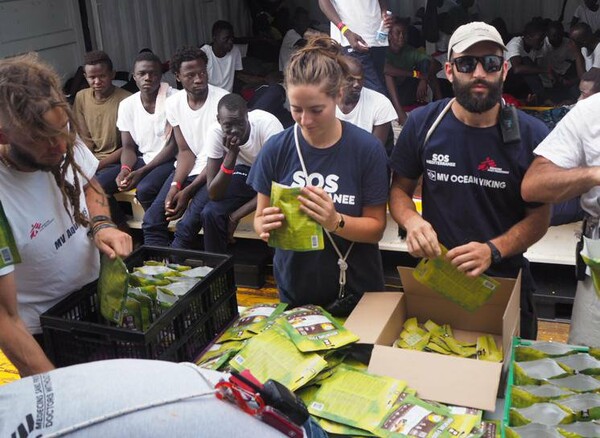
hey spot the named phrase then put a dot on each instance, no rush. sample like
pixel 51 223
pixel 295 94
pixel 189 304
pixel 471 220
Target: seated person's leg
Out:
pixel 155 225
pixel 215 214
pixel 407 90
pixel 107 179
pixel 150 185
pixel 190 224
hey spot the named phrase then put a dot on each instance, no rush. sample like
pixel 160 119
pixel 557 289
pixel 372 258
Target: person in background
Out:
pixel 50 203
pixel 567 165
pixel 232 143
pixel 588 43
pixel 468 165
pixel 96 111
pixel 365 108
pixel 343 176
pixel 589 84
pixel 149 147
pixel 408 71
pixel 300 21
pixel 224 58
pixel 190 112
pixel 354 24
pixel 588 13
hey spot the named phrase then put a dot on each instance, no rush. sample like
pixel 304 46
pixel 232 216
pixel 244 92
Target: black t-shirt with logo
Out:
pixel 471 179
pixel 353 171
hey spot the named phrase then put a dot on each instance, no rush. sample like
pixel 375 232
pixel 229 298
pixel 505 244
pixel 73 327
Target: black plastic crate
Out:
pixel 75 331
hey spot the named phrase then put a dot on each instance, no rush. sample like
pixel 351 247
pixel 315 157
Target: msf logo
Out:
pixel 486 164
pixel 35 229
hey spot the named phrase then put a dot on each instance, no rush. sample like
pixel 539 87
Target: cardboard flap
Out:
pixel 434 306
pixel 378 318
pixel 512 316
pixel 453 380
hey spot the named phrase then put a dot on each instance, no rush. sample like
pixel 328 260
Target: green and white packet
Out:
pixel 356 398
pixel 113 284
pixel 272 355
pixel 587 429
pixel 252 321
pixel 9 253
pixel 527 395
pixel 298 232
pixel 219 354
pixel 313 329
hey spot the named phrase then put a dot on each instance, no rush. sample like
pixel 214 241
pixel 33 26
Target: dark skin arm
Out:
pixel 217 180
pixel 356 41
pixel 127 180
pixel 113 158
pixel 177 200
pixel 15 340
pixel 381 132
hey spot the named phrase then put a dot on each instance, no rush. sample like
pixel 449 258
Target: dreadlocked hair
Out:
pixel 29 88
pixel 320 62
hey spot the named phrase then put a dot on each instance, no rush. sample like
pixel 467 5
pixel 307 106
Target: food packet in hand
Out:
pixel 112 288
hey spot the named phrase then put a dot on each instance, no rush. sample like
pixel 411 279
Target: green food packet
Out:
pixel 415 417
pixel 218 350
pixel 146 305
pixel 356 398
pixel 441 276
pixel 178 267
pixel 155 270
pixel 198 272
pixel 540 350
pixel 112 288
pixel 540 413
pixel 165 300
pixel 487 429
pixel 298 232
pixel 526 395
pixel 137 279
pixel 488 350
pixel 313 329
pixel 132 314
pixel 536 372
pixel 580 363
pixel 272 355
pixel 465 421
pixel 580 429
pixel 586 407
pixel 532 431
pixel 178 289
pixel 252 320
pixel 9 253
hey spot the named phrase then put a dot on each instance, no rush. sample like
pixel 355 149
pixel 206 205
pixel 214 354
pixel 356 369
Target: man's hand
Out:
pixel 113 242
pixel 232 143
pixel 121 178
pixel 175 205
pixel 421 239
pixel 130 181
pixel 473 259
pixel 422 91
pixel 356 41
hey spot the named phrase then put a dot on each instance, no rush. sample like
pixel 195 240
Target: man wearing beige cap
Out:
pixel 472 152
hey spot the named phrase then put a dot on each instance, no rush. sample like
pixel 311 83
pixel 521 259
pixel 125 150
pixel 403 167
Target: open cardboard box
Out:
pixel 378 319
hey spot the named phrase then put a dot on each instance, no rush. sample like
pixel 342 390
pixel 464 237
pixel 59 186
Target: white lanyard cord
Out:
pixel 342 264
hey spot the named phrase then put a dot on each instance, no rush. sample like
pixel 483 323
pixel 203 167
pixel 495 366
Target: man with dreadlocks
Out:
pixel 50 199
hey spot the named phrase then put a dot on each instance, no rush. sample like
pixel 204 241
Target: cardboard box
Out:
pixel 378 319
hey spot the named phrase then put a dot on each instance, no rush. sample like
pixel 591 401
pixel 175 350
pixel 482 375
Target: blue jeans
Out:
pixel 190 224
pixel 150 185
pixel 372 63
pixel 215 215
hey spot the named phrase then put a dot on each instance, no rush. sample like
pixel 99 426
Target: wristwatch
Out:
pixel 342 222
pixel 496 256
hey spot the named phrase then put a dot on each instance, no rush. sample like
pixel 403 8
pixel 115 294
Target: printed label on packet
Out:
pixel 9 254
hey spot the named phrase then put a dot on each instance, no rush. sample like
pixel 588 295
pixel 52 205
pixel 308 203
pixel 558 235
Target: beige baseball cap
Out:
pixel 472 33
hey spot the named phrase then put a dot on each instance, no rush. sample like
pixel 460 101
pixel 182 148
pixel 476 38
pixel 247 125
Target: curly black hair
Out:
pixel 184 54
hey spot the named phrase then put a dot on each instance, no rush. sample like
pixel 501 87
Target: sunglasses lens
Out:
pixel 492 63
pixel 466 64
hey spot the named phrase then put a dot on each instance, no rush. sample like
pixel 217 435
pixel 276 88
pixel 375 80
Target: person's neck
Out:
pixel 486 119
pixel 219 51
pixel 347 106
pixel 105 95
pixel 592 45
pixel 326 139
pixel 149 100
pixel 196 101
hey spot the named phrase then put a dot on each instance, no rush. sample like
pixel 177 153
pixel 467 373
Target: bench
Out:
pixel 556 247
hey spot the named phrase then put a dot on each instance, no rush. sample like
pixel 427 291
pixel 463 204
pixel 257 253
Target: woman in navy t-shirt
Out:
pixel 345 191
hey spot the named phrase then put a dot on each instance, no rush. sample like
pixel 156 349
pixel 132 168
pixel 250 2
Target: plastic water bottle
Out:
pixel 382 32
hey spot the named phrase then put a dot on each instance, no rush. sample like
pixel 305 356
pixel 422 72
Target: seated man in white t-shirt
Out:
pixel 300 22
pixel 149 147
pixel 365 108
pixel 588 13
pixel 588 43
pixel 232 146
pixel 224 58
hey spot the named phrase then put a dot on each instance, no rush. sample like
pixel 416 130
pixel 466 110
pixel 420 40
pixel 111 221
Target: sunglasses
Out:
pixel 468 64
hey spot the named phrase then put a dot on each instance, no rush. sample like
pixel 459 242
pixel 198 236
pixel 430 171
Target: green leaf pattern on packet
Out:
pixel 112 288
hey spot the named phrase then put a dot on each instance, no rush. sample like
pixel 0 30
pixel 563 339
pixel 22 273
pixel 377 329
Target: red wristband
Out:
pixel 125 166
pixel 176 184
pixel 226 171
pixel 340 25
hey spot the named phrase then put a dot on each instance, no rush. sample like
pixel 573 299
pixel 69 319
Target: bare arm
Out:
pixel 217 180
pixel 547 182
pixel 355 40
pixel 113 158
pixel 15 340
pixel 475 258
pixel 421 238
pixel 381 132
pixel 390 83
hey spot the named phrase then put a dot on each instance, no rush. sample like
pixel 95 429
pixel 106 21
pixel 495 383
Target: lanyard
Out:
pixel 342 264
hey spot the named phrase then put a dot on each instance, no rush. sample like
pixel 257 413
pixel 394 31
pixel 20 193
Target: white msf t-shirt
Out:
pixel 262 126
pixel 516 47
pixel 372 109
pixel 194 124
pixel 591 59
pixel 132 117
pixel 362 17
pixel 575 142
pixel 221 71
pixel 57 257
pixel 586 16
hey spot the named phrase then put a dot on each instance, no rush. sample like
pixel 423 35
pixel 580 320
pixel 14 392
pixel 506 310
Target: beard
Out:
pixel 476 102
pixel 20 156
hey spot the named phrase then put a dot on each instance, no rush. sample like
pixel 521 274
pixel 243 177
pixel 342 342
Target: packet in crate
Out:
pixel 441 276
pixel 298 232
pixel 113 285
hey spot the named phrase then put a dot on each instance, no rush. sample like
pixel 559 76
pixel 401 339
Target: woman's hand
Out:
pixel 317 203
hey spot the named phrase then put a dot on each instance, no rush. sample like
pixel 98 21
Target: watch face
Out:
pixel 342 221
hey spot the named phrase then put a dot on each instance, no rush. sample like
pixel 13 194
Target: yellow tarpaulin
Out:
pixel 8 373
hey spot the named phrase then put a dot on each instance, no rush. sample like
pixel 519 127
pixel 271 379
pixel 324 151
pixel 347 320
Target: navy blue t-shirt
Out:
pixel 471 179
pixel 353 171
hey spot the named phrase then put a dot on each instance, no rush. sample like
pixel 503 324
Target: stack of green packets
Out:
pixel 309 351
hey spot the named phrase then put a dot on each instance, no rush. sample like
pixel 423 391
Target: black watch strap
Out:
pixel 496 256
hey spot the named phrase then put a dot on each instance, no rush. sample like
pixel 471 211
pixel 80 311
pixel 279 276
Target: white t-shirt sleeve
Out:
pixel 384 111
pixel 270 126
pixel 563 145
pixel 171 108
pixel 85 159
pixel 214 142
pixel 237 58
pixel 125 115
pixel 514 48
